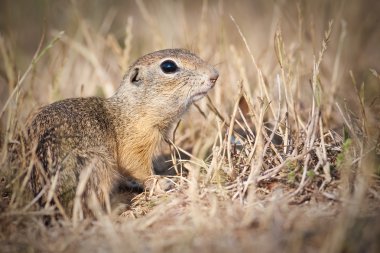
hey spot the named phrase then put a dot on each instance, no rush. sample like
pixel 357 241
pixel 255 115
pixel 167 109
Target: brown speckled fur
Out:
pixel 119 135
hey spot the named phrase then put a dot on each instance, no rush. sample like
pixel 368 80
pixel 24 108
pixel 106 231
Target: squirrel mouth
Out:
pixel 198 96
pixel 203 91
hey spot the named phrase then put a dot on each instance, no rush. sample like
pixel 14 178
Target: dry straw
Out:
pixel 273 160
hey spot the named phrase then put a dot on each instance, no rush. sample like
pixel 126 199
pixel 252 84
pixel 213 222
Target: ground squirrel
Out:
pixel 117 136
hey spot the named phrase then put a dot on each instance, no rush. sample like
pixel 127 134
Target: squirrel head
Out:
pixel 166 82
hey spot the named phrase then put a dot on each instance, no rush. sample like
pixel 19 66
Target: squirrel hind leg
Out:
pixel 96 182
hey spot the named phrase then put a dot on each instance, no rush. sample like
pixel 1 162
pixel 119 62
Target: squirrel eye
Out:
pixel 169 66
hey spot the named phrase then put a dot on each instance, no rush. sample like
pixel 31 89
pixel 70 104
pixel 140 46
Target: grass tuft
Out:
pixel 283 155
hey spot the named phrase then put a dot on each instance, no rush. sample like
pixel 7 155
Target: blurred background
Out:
pixel 102 38
pixel 297 61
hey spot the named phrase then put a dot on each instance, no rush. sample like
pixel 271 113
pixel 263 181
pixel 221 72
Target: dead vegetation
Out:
pixel 282 156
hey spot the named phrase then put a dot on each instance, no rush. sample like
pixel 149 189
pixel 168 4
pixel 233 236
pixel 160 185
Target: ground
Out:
pixel 282 156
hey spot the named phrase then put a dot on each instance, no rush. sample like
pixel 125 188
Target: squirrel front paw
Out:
pixel 159 183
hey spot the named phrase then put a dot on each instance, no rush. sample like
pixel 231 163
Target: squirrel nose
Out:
pixel 214 76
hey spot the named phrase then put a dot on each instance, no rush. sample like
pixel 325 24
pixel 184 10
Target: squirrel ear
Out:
pixel 134 76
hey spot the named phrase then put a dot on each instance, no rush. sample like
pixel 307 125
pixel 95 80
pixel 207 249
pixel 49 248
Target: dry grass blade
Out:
pixel 37 56
pixel 83 179
pixel 281 156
